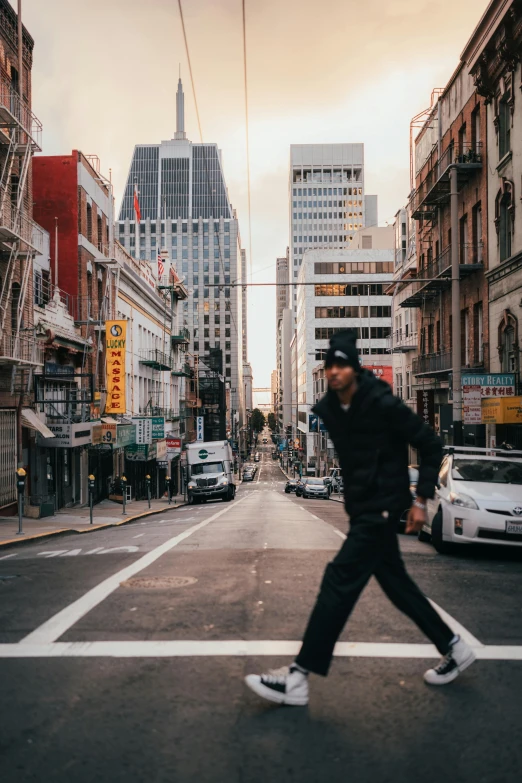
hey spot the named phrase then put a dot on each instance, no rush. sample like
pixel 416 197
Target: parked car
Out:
pixel 256 458
pixel 478 500
pixel 299 488
pixel 414 478
pixel 291 485
pixel 315 488
pixel 248 475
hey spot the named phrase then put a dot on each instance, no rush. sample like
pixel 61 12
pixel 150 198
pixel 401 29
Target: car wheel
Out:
pixel 423 536
pixel 442 547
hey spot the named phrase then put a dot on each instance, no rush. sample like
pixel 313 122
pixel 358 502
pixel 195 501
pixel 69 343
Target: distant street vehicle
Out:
pixel 315 488
pixel 210 471
pixel 478 500
pixel 265 440
pixel 291 486
pixel 256 458
pixel 248 475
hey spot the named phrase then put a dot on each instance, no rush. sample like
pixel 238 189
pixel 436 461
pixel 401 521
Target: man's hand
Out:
pixel 416 517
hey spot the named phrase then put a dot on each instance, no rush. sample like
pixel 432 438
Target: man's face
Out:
pixel 340 377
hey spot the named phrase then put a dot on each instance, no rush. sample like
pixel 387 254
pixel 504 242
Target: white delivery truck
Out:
pixel 210 471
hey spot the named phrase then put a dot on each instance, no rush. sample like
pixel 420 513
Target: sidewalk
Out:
pixel 77 520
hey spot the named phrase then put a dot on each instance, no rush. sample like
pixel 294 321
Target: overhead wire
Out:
pixel 211 190
pixel 247 135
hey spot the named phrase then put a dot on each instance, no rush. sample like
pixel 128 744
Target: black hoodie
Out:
pixel 371 440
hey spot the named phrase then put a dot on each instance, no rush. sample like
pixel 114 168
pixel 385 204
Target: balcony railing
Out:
pixel 20 350
pixel 15 112
pixel 183 337
pixel 156 359
pixel 15 226
pixel 169 414
pixel 399 341
pixel 434 189
pixel 432 363
pixel 183 371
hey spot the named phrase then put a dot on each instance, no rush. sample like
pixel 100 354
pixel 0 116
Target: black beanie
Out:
pixel 343 350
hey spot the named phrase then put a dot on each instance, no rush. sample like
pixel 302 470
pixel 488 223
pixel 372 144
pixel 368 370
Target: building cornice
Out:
pixel 505 269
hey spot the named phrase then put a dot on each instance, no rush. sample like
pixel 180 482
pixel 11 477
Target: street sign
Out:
pixel 143 430
pixel 471 408
pixel 426 405
pixel 158 427
pixel 199 428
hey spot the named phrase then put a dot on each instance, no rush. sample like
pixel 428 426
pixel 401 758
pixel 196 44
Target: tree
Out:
pixel 272 422
pixel 257 420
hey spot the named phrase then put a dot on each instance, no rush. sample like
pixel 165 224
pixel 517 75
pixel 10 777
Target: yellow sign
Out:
pixel 116 340
pixel 503 410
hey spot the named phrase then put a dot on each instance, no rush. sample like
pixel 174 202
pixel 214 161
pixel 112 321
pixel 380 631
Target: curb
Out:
pixel 67 531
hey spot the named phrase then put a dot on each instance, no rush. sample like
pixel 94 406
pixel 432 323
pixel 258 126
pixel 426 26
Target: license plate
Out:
pixel 513 526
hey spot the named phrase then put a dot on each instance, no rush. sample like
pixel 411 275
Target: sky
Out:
pixel 339 71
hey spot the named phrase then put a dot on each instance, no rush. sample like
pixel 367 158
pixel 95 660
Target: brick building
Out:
pixel 452 139
pixel 20 239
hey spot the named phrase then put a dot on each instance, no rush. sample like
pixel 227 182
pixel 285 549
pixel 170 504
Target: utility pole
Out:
pixel 456 358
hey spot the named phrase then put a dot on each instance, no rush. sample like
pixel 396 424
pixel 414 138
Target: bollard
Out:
pixel 92 479
pixel 167 479
pixel 124 492
pixel 20 485
pixel 147 479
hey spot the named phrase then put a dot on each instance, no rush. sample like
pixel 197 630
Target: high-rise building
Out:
pixel 358 301
pixel 185 210
pixel 327 199
pixel 282 280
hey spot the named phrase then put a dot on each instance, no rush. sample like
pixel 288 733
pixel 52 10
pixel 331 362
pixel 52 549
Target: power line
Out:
pixel 190 69
pixel 247 134
pixel 211 191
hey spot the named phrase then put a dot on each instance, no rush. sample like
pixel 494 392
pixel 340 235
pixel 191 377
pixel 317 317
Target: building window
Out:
pixel 478 336
pixel 477 255
pixel 465 336
pixel 508 343
pixel 398 384
pixel 504 125
pixel 89 222
pixel 504 207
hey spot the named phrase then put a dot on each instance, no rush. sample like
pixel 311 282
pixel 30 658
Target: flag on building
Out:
pixel 137 204
pixel 161 266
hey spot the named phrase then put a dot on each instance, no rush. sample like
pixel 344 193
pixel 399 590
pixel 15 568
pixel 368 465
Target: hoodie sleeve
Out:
pixel 411 428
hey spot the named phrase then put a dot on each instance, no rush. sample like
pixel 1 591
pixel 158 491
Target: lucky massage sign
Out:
pixel 116 339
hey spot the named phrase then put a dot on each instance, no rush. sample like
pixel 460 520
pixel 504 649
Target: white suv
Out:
pixel 478 499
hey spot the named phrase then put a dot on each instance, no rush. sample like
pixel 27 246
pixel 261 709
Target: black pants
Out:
pixel 370 548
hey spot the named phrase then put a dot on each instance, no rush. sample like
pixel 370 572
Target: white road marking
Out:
pixel 239 647
pixel 456 626
pixel 5 557
pixel 53 553
pixel 93 551
pixel 140 535
pixel 56 626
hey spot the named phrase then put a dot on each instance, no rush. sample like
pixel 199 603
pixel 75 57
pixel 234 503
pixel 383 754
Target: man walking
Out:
pixel 371 430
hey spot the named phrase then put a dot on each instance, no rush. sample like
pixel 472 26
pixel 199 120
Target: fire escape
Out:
pixel 20 237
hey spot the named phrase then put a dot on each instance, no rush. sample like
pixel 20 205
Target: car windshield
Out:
pixel 207 467
pixel 314 481
pixel 492 471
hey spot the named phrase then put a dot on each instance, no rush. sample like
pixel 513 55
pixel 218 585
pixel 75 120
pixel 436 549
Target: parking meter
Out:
pixel 20 486
pixel 124 491
pixel 167 479
pixel 147 479
pixel 91 481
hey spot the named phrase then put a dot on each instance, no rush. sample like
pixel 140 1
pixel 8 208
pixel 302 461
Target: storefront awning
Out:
pixel 32 422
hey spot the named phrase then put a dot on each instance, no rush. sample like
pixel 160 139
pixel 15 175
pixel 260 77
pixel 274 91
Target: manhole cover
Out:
pixel 159 583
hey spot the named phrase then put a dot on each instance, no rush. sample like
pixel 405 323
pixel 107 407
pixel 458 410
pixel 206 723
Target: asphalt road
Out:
pixel 123 652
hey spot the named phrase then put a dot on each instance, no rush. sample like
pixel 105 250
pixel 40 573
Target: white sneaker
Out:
pixel 459 656
pixel 287 685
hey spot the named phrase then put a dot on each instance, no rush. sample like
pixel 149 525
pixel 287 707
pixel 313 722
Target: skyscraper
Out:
pixel 327 199
pixel 185 210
